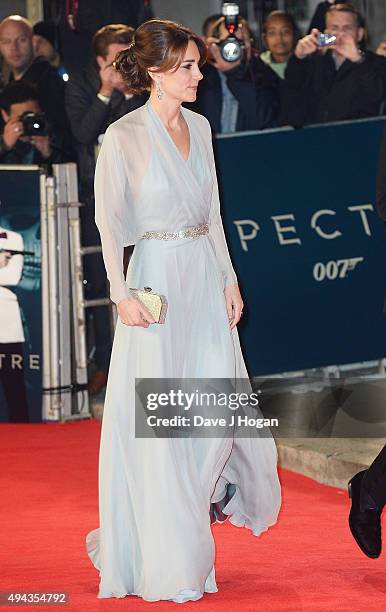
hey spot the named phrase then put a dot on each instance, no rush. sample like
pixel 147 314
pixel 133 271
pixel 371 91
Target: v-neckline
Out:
pixel 169 136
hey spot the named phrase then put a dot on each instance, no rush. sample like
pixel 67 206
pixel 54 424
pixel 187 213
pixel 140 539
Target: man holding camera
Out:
pixel 367 488
pixel 330 78
pixel 16 47
pixel 95 97
pixel 235 95
pixel 25 138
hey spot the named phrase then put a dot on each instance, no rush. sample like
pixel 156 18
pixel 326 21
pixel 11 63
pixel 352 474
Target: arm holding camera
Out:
pixel 215 58
pixel 344 45
pixel 13 129
pixel 15 143
pixel 43 145
pixel 87 113
pixel 258 99
pixel 307 45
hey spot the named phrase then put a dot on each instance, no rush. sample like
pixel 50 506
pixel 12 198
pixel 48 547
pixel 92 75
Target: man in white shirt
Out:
pixel 11 327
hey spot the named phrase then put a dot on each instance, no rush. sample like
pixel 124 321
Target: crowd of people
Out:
pixel 294 81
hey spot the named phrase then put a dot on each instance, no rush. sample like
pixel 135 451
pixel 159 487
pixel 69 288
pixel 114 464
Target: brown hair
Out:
pixel 346 7
pixel 115 33
pixel 156 43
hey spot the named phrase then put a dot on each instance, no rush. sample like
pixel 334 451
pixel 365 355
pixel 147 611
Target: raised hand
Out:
pixel 13 129
pixel 308 44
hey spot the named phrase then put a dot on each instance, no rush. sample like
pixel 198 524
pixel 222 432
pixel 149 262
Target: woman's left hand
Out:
pixel 234 304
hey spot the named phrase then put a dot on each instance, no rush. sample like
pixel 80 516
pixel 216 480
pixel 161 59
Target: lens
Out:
pixel 231 50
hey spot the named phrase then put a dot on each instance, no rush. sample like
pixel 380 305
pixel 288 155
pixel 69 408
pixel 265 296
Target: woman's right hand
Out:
pixel 132 312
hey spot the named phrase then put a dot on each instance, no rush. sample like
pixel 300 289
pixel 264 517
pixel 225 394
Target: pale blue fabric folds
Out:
pixel 154 538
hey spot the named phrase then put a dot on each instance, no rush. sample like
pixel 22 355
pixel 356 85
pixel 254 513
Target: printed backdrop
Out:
pixel 307 244
pixel 20 219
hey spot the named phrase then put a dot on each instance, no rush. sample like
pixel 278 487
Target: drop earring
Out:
pixel 160 93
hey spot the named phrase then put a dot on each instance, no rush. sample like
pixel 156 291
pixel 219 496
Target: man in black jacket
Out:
pixel 368 488
pixel 17 147
pixel 17 49
pixel 335 83
pixel 96 97
pixel 368 493
pixel 236 96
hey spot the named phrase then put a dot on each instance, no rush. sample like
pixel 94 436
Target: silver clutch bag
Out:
pixel 155 303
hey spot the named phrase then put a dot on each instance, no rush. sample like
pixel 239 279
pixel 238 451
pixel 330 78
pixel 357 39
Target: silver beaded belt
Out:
pixel 191 232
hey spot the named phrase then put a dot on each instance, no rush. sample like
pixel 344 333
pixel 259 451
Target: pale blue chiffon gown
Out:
pixel 154 538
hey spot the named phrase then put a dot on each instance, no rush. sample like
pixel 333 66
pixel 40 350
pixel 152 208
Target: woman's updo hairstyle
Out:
pixel 156 43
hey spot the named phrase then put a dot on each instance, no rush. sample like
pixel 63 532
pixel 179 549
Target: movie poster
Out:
pixel 20 295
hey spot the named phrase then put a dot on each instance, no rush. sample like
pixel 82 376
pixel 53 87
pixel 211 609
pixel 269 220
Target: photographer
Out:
pixel 16 47
pixel 336 81
pixel 25 138
pixel 96 97
pixel 239 95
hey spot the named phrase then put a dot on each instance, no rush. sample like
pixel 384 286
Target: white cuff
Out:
pixel 104 99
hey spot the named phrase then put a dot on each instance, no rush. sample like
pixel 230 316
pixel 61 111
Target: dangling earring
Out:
pixel 160 93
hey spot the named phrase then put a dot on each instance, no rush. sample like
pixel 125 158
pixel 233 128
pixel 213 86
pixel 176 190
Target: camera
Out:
pixel 325 39
pixel 231 49
pixel 34 124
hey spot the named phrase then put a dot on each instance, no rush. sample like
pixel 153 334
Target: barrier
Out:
pixel 43 360
pixel 308 247
pixel 306 242
pixel 20 295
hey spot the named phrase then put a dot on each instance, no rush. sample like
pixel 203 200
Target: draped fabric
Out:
pixel 155 495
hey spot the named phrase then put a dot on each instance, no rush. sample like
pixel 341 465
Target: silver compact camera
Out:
pixel 325 39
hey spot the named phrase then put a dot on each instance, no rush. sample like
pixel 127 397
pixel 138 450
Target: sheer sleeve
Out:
pixel 113 212
pixel 216 230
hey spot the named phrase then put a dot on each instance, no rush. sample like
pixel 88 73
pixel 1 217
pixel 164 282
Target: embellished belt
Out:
pixel 191 232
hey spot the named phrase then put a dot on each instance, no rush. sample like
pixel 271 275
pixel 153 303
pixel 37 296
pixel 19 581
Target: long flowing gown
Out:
pixel 154 538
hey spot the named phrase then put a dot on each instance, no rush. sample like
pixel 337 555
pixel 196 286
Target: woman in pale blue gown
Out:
pixel 155 174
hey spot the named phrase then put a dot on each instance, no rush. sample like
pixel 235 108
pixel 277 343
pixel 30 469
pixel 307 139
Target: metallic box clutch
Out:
pixel 155 303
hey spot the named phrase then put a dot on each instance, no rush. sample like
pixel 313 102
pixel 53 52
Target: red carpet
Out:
pixel 48 476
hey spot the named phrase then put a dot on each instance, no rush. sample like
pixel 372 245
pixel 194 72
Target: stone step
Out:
pixel 331 461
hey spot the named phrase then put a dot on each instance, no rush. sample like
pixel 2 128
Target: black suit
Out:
pixel 89 117
pixel 316 92
pixel 253 86
pixel 373 490
pixel 374 482
pixel 51 88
